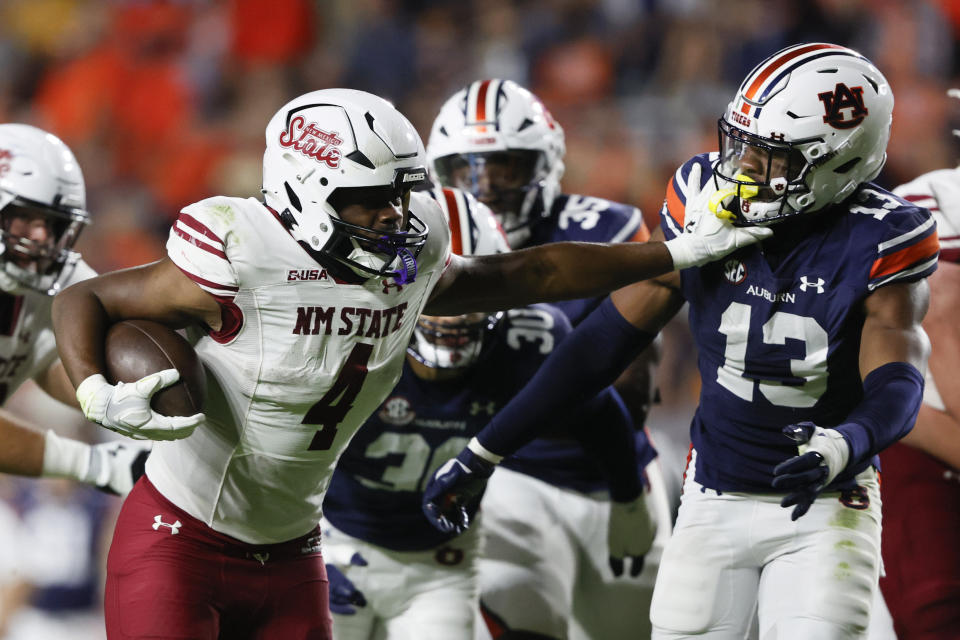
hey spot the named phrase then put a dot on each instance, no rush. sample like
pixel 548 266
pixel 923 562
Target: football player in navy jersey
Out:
pixel 392 574
pixel 811 356
pixel 498 141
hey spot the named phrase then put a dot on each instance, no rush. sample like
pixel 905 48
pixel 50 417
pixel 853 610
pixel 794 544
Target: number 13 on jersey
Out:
pixel 812 369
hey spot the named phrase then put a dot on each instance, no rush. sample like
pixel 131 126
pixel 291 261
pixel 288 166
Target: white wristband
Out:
pixel 482 452
pixel 65 458
pixel 681 252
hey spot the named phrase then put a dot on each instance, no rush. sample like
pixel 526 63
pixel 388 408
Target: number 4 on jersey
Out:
pixel 333 407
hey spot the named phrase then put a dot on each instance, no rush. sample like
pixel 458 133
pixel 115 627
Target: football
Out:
pixel 137 348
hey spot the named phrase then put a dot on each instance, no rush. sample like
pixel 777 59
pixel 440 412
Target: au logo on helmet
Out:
pixel 843 97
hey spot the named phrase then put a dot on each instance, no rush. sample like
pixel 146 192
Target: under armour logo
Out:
pixel 158 522
pixel 843 97
pixel 805 283
pixel 387 284
pixel 490 407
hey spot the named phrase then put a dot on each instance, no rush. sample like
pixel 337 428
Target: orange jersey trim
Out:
pixel 642 234
pixel 898 260
pixel 675 208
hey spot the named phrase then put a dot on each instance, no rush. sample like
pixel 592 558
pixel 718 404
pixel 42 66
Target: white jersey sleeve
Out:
pixel 939 191
pixel 198 245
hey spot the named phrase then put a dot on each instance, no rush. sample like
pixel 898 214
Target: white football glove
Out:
pixel 116 466
pixel 111 467
pixel 125 407
pixel 630 533
pixel 707 233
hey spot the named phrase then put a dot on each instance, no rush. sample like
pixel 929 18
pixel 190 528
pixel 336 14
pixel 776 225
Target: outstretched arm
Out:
pixel 588 360
pixel 560 271
pixel 568 270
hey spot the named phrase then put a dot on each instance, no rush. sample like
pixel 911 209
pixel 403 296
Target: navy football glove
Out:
pixel 823 454
pixel 344 595
pixel 454 491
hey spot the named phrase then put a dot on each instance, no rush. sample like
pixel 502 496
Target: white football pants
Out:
pixel 733 555
pixel 545 567
pixel 411 595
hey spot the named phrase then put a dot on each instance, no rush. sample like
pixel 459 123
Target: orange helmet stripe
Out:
pixel 751 92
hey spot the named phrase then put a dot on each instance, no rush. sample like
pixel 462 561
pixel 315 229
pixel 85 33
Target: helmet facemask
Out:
pixel 497 122
pixel 27 262
pixel 767 175
pixel 371 252
pixel 451 343
pixel 509 182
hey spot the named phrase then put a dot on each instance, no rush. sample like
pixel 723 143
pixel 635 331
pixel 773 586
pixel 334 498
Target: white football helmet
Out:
pixel 808 126
pixel 496 140
pixel 42 208
pixel 333 148
pixel 456 342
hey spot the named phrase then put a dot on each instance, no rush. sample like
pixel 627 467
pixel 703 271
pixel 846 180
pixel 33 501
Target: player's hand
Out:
pixel 125 407
pixel 116 466
pixel 454 491
pixel 344 595
pixel 630 534
pixel 823 454
pixel 708 235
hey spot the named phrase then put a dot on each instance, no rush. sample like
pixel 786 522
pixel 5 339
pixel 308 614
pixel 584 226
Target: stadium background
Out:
pixel 165 102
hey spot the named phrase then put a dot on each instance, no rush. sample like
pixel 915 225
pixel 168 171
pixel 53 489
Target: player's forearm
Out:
pixel 585 362
pixel 609 439
pixel 938 434
pixel 559 271
pixel 79 323
pixel 892 395
pixel 22 450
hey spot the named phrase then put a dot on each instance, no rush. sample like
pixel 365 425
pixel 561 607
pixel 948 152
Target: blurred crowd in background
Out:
pixel 165 102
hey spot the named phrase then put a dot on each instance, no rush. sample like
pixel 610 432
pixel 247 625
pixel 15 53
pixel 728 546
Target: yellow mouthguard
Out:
pixel 746 192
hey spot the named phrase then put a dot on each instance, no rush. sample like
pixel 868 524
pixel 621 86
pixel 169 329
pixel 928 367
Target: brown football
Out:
pixel 137 348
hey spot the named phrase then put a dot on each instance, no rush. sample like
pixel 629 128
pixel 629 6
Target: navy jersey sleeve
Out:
pixel 675 201
pixel 908 247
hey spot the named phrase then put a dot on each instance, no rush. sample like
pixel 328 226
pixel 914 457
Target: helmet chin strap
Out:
pixel 405 262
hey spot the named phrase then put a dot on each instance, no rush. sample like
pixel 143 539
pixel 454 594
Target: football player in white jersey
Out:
pixel 921 474
pixel 499 141
pixel 304 305
pixel 42 212
pixel 810 350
